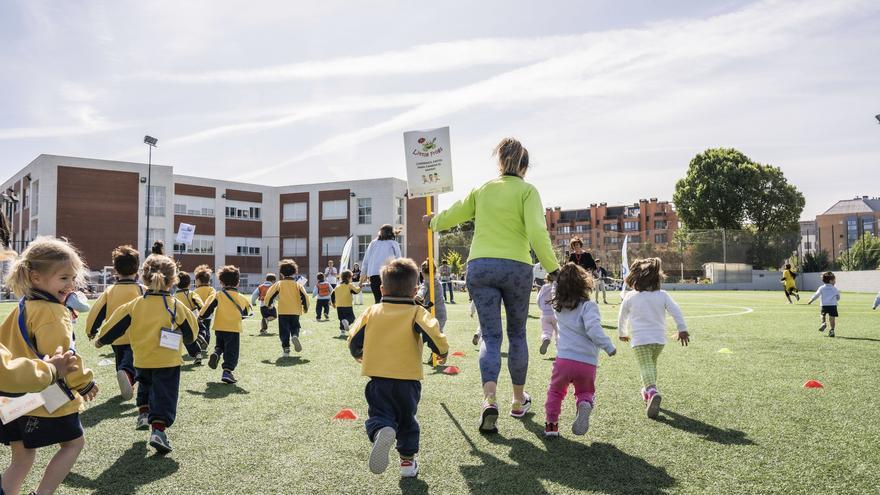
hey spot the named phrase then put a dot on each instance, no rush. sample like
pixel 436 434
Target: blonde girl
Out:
pixel 642 322
pixel 47 271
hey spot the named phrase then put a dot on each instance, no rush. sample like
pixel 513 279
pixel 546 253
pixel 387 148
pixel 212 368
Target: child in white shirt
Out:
pixel 549 324
pixel 580 338
pixel 829 296
pixel 642 322
pixel 876 301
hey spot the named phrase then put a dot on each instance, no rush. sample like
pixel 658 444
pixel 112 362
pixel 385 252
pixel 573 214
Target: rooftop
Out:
pixel 862 204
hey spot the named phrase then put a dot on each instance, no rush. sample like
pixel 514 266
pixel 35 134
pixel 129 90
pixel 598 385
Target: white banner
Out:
pixel 345 259
pixel 624 265
pixel 428 162
pixel 185 233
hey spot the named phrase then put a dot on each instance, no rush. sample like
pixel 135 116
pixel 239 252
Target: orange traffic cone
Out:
pixel 813 384
pixel 346 414
pixel 458 354
pixel 451 370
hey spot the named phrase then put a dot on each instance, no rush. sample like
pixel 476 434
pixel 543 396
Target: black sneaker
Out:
pixel 203 344
pixel 227 377
pixel 213 360
pixel 831 333
pixel 488 417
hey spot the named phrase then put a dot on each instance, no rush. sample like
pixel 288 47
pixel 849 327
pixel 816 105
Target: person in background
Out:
pixel 788 283
pixel 322 292
pixel 446 281
pixel 580 257
pixel 330 274
pixel 601 275
pixel 355 280
pixel 266 312
pixel 381 250
pixel 158 248
pixel 829 296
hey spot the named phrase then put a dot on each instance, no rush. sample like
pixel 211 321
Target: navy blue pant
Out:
pixel 158 389
pixel 288 326
pixel 448 288
pixel 345 314
pixel 322 304
pixel 394 403
pixel 124 358
pixel 227 346
pixel 375 287
pixel 193 348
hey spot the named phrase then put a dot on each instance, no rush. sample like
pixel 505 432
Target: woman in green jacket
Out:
pixel 508 220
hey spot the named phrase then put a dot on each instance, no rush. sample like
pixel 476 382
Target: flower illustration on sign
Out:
pixel 428 145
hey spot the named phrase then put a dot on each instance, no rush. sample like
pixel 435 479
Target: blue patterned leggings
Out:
pixel 491 282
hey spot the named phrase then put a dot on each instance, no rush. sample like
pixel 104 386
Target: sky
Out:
pixel 611 98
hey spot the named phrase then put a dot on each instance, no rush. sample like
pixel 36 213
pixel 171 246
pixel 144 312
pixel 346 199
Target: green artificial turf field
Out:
pixel 738 422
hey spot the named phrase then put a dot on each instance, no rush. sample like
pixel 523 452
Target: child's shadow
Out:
pixel 267 334
pixel 578 466
pixel 413 486
pixel 114 407
pixel 216 390
pixel 286 361
pixel 131 470
pixel 610 327
pixel 705 430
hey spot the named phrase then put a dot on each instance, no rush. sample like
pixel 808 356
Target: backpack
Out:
pixel 323 289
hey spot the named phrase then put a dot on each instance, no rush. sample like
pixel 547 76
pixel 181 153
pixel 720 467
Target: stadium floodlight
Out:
pixel 150 141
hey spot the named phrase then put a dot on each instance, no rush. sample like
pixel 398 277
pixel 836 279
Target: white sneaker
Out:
pixel 345 325
pixel 125 387
pixel 382 443
pixel 582 421
pixel 409 468
pixel 285 353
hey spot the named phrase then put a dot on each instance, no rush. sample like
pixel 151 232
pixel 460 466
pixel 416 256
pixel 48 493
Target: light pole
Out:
pixel 150 141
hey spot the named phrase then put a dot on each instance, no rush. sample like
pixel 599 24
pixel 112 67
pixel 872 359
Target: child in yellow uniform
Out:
pixel 23 375
pixel 204 290
pixel 342 299
pixel 47 271
pixel 228 308
pixel 194 303
pixel 159 325
pixel 293 302
pixel 788 283
pixel 126 261
pixel 387 339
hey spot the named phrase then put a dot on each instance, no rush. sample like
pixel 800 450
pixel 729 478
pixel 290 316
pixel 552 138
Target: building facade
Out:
pixel 101 204
pixel 603 228
pixel 808 237
pixel 843 224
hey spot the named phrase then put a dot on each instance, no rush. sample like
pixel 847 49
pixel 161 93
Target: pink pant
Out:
pixel 549 327
pixel 565 372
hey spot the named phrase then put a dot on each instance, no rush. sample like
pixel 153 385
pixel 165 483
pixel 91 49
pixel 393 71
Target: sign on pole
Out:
pixel 185 233
pixel 428 162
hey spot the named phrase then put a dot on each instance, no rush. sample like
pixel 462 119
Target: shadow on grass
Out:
pixel 704 430
pixel 216 390
pixel 286 361
pixel 858 338
pixel 578 466
pixel 609 327
pixel 267 334
pixel 413 486
pixel 132 469
pixel 114 407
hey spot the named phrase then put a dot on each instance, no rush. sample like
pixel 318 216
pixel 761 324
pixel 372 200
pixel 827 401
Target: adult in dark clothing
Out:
pixel 580 257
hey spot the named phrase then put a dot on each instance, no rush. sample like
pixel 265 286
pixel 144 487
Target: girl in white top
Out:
pixel 642 322
pixel 549 325
pixel 381 250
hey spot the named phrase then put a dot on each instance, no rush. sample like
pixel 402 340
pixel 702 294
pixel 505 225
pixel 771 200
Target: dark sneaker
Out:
pixel 197 361
pixel 831 333
pixel 823 326
pixel 159 441
pixel 297 346
pixel 143 422
pixel 227 377
pixel 519 409
pixel 382 442
pixel 476 339
pixel 582 421
pixel 652 410
pixel 551 429
pixel 489 416
pixel 203 344
pixel 544 345
pixel 214 360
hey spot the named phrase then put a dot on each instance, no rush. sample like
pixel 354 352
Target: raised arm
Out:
pixel 461 211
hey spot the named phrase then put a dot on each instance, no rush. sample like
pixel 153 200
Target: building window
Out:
pixel 580 229
pixel 334 210
pixel 156 205
pixel 630 225
pixel 295 246
pixel 612 241
pixel 402 244
pixel 243 246
pixel 400 210
pixel 332 245
pixel 852 230
pixel 194 206
pixel 201 244
pixel 155 235
pixel 868 225
pixel 295 212
pixel 660 225
pixel 35 228
pixel 35 197
pixel 808 246
pixel 365 211
pixel 660 239
pixel 363 243
pixel 610 227
pixel 563 230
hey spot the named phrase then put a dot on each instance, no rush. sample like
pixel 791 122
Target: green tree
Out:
pixel 863 255
pixel 816 262
pixel 455 261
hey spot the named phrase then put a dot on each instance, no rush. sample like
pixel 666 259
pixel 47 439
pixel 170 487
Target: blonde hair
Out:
pixel 513 157
pixel 159 272
pixel 44 255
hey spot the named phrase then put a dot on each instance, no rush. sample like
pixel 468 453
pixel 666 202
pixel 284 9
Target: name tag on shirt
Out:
pixel 55 396
pixel 170 339
pixel 52 398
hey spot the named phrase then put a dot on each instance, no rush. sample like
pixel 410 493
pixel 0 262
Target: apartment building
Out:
pixel 603 228
pixel 100 204
pixel 843 224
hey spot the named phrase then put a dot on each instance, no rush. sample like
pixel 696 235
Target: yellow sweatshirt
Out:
pixel 341 295
pixel 228 308
pixel 388 338
pixel 204 292
pixel 110 300
pixel 143 319
pixel 48 325
pixel 190 299
pixel 23 375
pixel 292 298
